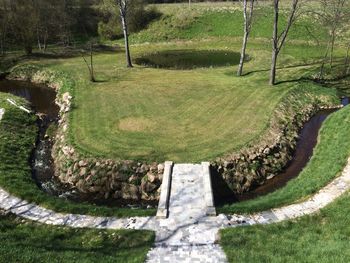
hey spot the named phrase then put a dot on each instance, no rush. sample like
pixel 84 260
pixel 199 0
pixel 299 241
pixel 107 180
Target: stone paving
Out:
pixel 188 234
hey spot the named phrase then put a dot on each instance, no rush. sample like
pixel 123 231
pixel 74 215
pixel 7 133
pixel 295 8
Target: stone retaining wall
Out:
pixel 138 180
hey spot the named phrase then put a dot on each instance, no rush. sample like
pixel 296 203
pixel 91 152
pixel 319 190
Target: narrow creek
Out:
pixel 306 143
pixel 43 102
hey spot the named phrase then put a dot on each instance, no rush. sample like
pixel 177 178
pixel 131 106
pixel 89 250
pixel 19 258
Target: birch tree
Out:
pixel 279 38
pixel 123 10
pixel 248 19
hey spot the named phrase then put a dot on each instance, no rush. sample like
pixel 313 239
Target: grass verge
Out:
pixel 318 238
pixel 329 158
pixel 18 132
pixel 25 241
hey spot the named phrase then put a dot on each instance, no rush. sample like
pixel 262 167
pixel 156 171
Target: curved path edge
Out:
pixel 325 196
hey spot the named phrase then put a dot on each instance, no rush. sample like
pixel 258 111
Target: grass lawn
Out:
pixel 323 237
pixel 181 115
pixel 329 158
pixel 25 241
pixel 158 114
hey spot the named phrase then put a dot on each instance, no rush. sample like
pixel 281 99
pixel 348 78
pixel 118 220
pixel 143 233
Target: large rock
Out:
pixel 130 191
pixel 148 187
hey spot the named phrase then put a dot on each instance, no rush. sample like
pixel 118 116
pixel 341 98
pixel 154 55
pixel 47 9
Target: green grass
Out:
pixel 25 241
pixel 150 114
pixel 329 158
pixel 18 132
pixel 203 22
pixel 323 237
pixel 157 114
pixel 181 115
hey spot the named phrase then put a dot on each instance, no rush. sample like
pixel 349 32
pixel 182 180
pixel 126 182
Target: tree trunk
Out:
pixel 28 48
pixel 92 73
pixel 39 42
pixel 273 68
pixel 126 39
pixel 247 25
pixel 243 54
pixel 332 48
pixel 2 46
pixel 347 61
pixel 320 77
pixel 274 44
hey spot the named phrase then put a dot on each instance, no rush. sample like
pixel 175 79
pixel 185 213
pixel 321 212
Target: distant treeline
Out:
pixel 28 24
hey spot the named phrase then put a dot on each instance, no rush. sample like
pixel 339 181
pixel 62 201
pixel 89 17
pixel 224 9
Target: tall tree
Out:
pixel 278 39
pixel 248 19
pixel 24 21
pixel 123 10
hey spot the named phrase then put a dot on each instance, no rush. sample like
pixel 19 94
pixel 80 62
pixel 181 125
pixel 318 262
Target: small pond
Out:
pixel 189 59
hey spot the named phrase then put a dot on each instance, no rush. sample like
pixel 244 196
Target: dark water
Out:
pixel 41 97
pixel 42 101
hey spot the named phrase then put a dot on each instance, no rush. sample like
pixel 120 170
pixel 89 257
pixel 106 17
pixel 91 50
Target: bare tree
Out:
pixel 90 64
pixel 332 17
pixel 248 19
pixel 278 39
pixel 123 9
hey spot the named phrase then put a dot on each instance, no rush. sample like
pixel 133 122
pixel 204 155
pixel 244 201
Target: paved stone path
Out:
pixel 188 234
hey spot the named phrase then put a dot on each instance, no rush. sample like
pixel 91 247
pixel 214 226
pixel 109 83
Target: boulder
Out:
pixel 148 187
pixel 130 191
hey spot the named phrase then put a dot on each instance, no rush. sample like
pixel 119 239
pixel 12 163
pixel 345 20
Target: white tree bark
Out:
pixel 123 9
pixel 248 19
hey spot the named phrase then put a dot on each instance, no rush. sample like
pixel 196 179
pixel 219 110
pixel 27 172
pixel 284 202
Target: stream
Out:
pixel 42 99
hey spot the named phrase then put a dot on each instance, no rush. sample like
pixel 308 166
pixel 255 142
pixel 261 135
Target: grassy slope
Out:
pixel 330 157
pixel 319 238
pixel 18 133
pixel 203 22
pixel 24 241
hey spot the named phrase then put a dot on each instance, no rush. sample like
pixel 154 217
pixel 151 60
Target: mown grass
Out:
pixel 329 158
pixel 323 237
pixel 193 115
pixel 25 241
pixel 181 115
pixel 18 133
